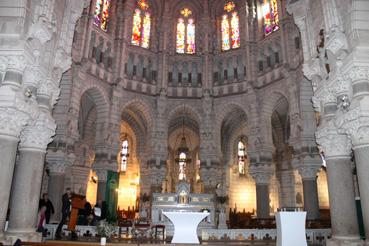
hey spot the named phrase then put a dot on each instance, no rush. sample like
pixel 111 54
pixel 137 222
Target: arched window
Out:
pixel 269 12
pixel 182 166
pixel 124 156
pixel 230 27
pixel 185 42
pixel 101 14
pixel 241 157
pixel 141 25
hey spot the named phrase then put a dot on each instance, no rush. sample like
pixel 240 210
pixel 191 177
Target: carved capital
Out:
pixel 309 171
pixel 333 143
pixel 56 167
pixel 39 134
pixel 102 175
pixel 261 173
pixel 12 121
pixel 358 74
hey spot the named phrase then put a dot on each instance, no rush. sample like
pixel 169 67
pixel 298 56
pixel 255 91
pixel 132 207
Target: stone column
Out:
pixel 12 120
pixel 362 158
pixel 308 169
pixel 337 149
pixel 56 188
pixel 28 176
pixel 311 201
pixel 262 177
pixel 102 176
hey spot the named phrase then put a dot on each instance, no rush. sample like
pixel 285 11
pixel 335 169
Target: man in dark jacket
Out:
pixel 49 206
pixel 66 207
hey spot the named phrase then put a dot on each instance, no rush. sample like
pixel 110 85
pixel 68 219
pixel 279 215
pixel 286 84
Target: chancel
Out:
pixel 233 112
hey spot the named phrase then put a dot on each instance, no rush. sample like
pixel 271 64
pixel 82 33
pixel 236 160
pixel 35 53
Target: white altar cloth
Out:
pixel 185 225
pixel 291 228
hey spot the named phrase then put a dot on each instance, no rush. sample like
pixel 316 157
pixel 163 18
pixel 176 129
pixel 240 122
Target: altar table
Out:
pixel 291 228
pixel 185 225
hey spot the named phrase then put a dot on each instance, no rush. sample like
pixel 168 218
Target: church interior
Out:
pixel 239 108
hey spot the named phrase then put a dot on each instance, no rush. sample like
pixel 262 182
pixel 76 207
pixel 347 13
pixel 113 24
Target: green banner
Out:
pixel 111 195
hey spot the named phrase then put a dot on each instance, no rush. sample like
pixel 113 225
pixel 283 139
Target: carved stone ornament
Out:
pixel 309 171
pixel 12 121
pixel 332 142
pixel 40 31
pixel 358 74
pixel 39 134
pixel 56 167
pixel 261 173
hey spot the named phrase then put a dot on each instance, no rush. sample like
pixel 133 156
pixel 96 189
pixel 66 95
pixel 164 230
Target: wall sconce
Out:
pixel 27 92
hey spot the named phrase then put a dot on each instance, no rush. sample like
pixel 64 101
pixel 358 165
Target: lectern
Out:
pixel 78 202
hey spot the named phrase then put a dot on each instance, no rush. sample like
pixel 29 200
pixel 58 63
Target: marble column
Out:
pixel 310 188
pixel 362 167
pixel 344 221
pixel 27 180
pixel 14 114
pixel 8 149
pixel 25 195
pixel 287 188
pixel 337 150
pixel 262 200
pixel 56 188
pixel 102 176
pixel 262 179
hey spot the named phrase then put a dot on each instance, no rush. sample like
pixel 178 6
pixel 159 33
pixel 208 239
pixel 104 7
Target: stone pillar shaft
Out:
pixel 8 149
pixel 101 189
pixel 361 158
pixel 342 200
pixel 311 202
pixel 55 193
pixel 262 201
pixel 26 194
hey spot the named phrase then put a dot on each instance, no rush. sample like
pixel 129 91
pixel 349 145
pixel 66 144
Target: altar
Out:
pixel 182 201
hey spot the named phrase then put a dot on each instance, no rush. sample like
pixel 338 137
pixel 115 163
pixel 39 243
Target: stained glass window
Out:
pixel 97 14
pixel 182 166
pixel 101 14
pixel 146 31
pixel 141 26
pixel 105 15
pixel 190 37
pixel 225 33
pixel 230 27
pixel 124 156
pixel 235 27
pixel 185 41
pixel 181 29
pixel 269 11
pixel 241 157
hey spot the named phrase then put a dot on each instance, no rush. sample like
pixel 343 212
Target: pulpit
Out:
pixel 78 202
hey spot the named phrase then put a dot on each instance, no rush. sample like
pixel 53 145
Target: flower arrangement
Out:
pixel 104 229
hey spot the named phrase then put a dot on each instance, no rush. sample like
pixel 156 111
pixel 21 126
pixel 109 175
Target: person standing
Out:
pixel 66 207
pixel 49 206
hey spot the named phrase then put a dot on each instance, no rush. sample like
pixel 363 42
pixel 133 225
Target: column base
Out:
pixel 345 241
pixel 33 236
